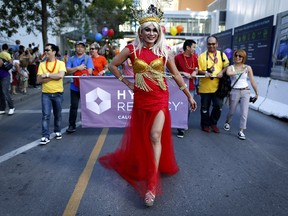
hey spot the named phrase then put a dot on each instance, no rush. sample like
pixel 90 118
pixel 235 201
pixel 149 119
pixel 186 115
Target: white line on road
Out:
pixel 40 111
pixel 28 146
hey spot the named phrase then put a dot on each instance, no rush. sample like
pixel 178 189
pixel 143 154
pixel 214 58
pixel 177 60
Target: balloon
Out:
pixel 110 32
pixel 228 52
pixel 173 30
pixel 179 29
pixel 163 29
pixel 198 50
pixel 98 37
pixel 105 31
pixel 117 51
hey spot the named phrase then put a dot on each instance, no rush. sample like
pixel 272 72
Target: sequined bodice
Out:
pixel 140 66
pixel 154 71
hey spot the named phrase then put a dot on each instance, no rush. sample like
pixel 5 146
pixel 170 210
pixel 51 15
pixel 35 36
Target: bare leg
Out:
pixel 155 137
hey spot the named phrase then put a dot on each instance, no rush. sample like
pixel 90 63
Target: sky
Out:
pixel 27 39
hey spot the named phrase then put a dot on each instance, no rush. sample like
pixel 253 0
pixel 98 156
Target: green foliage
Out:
pixel 109 13
pixel 44 15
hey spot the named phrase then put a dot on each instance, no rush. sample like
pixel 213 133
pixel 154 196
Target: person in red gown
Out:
pixel 146 149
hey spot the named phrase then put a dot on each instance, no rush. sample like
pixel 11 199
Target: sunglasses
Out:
pixel 238 56
pixel 47 50
pixel 211 44
pixel 107 50
pixel 92 48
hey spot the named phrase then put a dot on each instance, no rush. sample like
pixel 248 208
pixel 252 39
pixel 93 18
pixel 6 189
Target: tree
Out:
pixel 109 13
pixel 41 15
pixel 53 15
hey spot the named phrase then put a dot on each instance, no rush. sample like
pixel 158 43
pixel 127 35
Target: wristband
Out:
pixel 121 78
pixel 47 75
pixel 183 87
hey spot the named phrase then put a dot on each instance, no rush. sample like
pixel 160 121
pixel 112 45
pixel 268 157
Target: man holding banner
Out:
pixel 75 64
pixel 187 64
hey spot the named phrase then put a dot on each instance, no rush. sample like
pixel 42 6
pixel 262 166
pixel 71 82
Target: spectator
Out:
pixel 240 93
pixel 50 74
pixel 24 74
pixel 212 64
pixel 187 64
pixel 79 61
pixel 99 62
pixel 5 82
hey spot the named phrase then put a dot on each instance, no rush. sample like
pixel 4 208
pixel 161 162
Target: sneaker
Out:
pixel 58 135
pixel 2 112
pixel 71 129
pixel 44 140
pixel 11 111
pixel 226 126
pixel 241 135
pixel 206 129
pixel 215 129
pixel 180 134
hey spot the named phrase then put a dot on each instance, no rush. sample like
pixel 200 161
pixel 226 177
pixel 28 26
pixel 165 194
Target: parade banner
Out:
pixel 107 102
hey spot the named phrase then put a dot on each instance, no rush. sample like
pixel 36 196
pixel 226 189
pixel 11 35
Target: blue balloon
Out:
pixel 98 37
pixel 228 52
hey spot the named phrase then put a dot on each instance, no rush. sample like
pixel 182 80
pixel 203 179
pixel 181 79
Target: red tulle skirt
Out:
pixel 134 158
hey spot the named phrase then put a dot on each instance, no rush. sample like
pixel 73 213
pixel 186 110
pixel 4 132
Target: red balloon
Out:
pixel 163 29
pixel 179 29
pixel 110 32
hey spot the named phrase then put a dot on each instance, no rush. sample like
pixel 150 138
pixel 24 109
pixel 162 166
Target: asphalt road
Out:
pixel 219 174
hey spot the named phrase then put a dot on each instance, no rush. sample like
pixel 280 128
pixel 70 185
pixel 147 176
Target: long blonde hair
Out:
pixel 160 47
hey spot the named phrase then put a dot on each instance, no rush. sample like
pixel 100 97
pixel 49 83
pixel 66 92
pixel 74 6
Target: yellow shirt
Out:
pixel 5 55
pixel 206 85
pixel 52 86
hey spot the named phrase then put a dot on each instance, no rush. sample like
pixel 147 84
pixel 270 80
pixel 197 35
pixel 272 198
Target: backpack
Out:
pixel 84 72
pixel 224 86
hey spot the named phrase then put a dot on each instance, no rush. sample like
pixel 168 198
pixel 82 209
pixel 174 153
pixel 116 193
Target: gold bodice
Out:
pixel 140 66
pixel 153 71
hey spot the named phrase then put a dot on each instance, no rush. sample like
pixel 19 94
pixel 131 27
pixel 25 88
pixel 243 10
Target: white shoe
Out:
pixel 44 140
pixel 241 135
pixel 11 111
pixel 226 127
pixel 58 135
pixel 2 112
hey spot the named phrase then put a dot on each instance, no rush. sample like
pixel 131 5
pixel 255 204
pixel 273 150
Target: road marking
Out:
pixel 28 146
pixel 75 199
pixel 39 111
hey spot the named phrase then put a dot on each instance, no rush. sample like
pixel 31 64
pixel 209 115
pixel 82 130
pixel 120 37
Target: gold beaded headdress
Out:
pixel 153 14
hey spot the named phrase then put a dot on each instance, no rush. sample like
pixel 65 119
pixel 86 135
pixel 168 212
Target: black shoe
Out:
pixel 71 129
pixel 180 134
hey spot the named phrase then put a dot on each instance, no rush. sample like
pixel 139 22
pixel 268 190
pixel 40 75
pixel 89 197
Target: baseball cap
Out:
pixel 81 42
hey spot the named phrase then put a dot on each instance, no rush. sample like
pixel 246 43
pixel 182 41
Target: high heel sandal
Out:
pixel 149 198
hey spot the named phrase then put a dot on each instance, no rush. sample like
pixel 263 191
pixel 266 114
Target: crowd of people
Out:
pixel 146 149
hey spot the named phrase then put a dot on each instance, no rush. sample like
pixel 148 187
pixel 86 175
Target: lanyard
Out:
pixel 215 60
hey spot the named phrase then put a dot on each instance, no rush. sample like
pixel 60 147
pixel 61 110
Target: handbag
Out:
pixel 6 65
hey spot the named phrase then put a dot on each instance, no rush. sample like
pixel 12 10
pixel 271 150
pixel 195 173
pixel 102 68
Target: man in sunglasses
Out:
pixel 80 61
pixel 212 64
pixel 50 74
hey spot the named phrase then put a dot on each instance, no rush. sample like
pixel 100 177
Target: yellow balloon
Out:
pixel 173 30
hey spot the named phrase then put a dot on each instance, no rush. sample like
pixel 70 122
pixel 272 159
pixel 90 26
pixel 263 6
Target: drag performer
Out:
pixel 146 149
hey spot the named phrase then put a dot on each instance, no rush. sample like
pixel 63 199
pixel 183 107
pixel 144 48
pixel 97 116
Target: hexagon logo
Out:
pixel 98 100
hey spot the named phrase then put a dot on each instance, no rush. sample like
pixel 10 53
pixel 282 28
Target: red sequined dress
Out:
pixel 134 158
